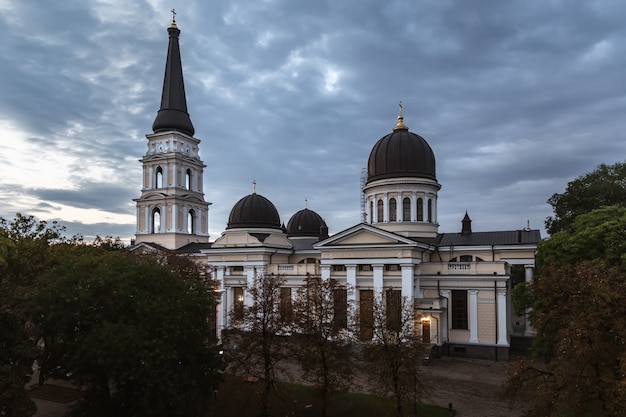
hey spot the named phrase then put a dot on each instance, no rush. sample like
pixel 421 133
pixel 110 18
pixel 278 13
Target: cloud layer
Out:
pixel 516 99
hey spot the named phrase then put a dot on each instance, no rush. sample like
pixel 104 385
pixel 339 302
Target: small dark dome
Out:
pixel 401 154
pixel 252 211
pixel 306 223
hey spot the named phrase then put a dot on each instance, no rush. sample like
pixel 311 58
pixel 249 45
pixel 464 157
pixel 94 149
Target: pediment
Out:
pixel 365 235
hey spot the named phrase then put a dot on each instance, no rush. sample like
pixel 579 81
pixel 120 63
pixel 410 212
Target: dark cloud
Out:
pixel 516 98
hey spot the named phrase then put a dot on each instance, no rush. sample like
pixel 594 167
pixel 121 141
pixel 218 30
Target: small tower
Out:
pixel 171 211
pixel 466 225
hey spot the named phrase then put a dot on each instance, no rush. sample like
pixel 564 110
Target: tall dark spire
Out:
pixel 173 112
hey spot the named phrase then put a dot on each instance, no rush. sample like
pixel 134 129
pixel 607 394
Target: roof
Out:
pixel 173 112
pixel 193 247
pixel 508 237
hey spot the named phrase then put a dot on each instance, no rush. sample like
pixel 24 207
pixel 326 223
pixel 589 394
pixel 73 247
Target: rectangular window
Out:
pixel 366 314
pixel 393 305
pixel 459 309
pixel 392 267
pixel 340 309
pixel 339 268
pixel 365 267
pixel 238 303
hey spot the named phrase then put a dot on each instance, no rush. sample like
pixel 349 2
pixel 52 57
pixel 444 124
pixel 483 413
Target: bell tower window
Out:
pixel 393 211
pixel 156 221
pixel 406 210
pixel 188 179
pixel 159 177
pixel 380 211
pixel 191 222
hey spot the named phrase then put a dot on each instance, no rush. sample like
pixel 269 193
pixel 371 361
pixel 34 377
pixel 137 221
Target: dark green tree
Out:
pixel 24 255
pixel 605 186
pixel 130 332
pixel 578 308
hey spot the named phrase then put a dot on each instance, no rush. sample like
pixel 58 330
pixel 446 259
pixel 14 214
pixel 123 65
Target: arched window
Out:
pixel 191 222
pixel 430 210
pixel 159 177
pixel 188 179
pixel 371 219
pixel 406 210
pixel 393 210
pixel 420 210
pixel 380 212
pixel 156 221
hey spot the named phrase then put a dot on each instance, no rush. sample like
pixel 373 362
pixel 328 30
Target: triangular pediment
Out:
pixel 365 235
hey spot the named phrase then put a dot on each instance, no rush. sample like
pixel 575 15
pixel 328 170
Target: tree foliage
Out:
pixel 578 309
pixel 24 255
pixel 132 333
pixel 579 312
pixel 255 343
pixel 322 337
pixel 396 352
pixel 605 186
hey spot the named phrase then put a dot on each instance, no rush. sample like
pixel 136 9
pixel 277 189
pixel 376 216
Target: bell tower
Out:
pixel 171 211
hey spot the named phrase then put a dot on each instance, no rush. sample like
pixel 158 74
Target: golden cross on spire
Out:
pixel 306 203
pixel 173 17
pixel 254 187
pixel 400 107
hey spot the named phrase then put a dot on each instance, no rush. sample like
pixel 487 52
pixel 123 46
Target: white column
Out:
pixel 351 283
pixel 408 289
pixel 147 219
pixel 528 276
pixel 444 317
pixel 503 337
pixel 325 269
pixel 250 278
pixel 378 280
pixel 175 218
pixel 221 310
pixel 473 315
pixel 413 207
pixel 399 207
pixel 151 179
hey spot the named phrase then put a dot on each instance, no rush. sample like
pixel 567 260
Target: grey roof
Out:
pixel 304 243
pixel 508 237
pixel 193 247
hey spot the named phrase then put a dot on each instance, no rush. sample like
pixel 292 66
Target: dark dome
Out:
pixel 401 154
pixel 254 210
pixel 306 223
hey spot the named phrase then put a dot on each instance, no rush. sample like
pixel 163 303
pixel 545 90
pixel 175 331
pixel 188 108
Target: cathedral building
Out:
pixel 459 283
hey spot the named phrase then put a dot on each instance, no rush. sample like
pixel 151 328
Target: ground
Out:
pixel 471 386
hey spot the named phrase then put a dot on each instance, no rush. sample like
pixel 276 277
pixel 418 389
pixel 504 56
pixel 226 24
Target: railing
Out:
pixel 463 268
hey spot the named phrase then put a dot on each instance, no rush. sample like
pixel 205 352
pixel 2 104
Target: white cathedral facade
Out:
pixel 459 283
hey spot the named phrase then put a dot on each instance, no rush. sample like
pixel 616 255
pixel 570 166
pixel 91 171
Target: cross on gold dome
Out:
pixel 254 187
pixel 400 125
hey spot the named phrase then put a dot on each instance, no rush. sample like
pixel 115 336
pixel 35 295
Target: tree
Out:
pixel 24 255
pixel 130 332
pixel 605 186
pixel 578 308
pixel 396 351
pixel 255 336
pixel 321 335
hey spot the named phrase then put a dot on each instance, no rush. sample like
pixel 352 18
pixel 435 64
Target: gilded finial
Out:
pixel 400 125
pixel 173 18
pixel 254 187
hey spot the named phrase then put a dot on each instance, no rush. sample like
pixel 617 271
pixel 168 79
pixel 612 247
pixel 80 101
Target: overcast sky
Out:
pixel 516 99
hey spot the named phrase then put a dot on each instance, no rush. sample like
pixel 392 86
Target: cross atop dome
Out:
pixel 400 125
